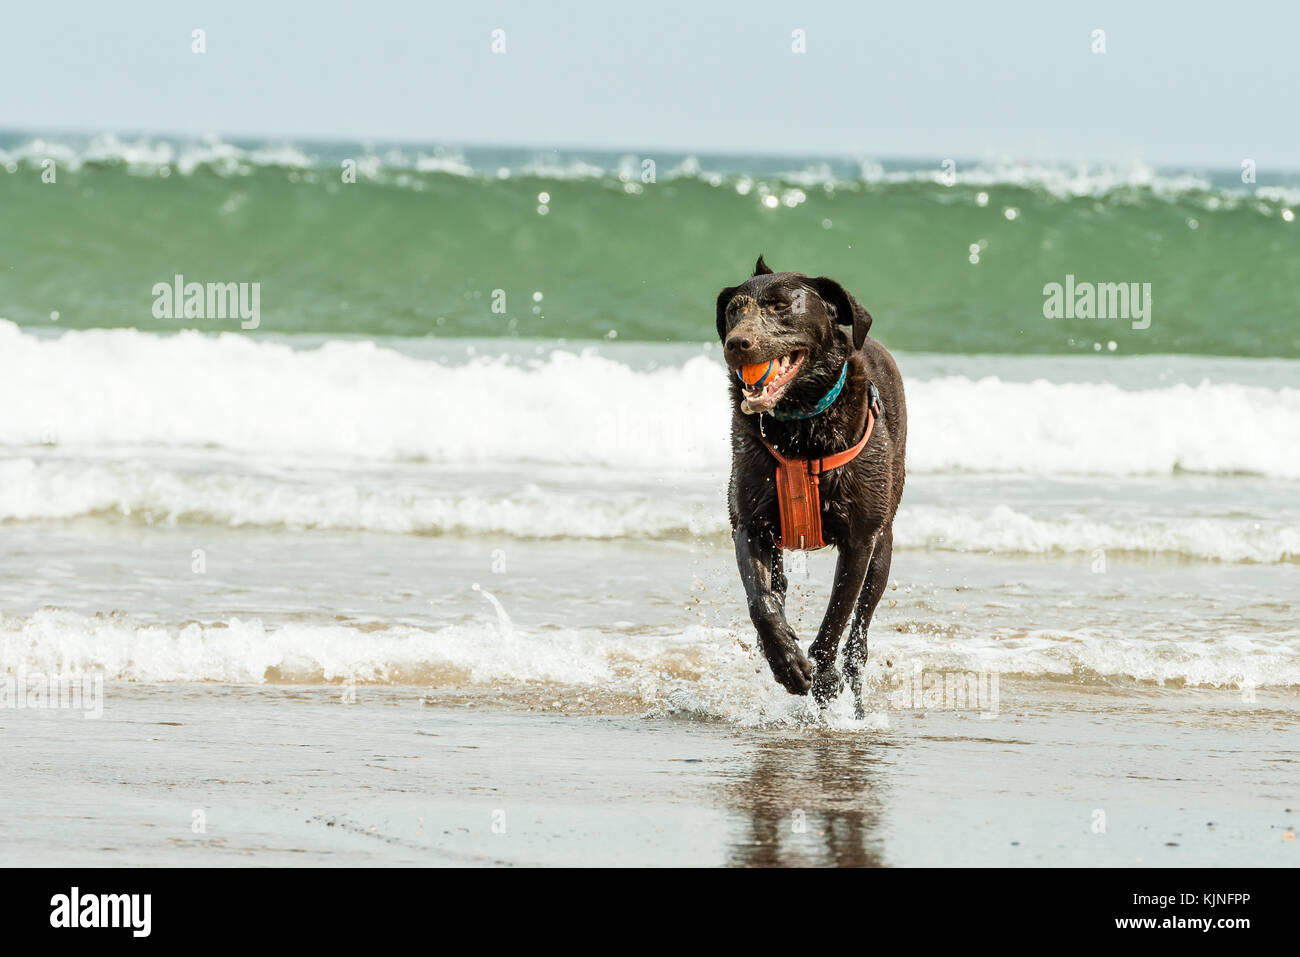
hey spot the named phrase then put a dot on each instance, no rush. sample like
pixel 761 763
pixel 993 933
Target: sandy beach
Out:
pixel 292 775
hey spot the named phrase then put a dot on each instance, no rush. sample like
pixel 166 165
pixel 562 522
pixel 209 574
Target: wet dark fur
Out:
pixel 858 499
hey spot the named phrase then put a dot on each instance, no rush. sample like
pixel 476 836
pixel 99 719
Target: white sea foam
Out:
pixel 156 155
pixel 1005 530
pixel 32 490
pixel 701 671
pixel 102 389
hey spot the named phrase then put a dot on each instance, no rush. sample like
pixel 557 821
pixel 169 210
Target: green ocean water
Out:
pixel 580 247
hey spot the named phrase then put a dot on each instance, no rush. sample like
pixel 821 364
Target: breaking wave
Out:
pixel 105 389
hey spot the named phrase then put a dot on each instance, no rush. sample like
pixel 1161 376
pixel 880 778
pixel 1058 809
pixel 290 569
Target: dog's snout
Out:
pixel 739 343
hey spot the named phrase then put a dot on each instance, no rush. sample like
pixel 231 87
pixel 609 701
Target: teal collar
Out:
pixel 822 405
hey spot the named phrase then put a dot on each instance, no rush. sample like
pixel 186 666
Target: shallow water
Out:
pixel 249 510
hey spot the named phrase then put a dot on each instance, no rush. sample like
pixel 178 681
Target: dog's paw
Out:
pixel 827 684
pixel 795 673
pixel 790 667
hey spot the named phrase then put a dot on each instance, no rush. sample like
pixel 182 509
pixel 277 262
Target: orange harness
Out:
pixel 798 493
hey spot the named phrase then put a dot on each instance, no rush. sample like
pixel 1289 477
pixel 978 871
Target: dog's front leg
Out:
pixel 850 573
pixel 760 571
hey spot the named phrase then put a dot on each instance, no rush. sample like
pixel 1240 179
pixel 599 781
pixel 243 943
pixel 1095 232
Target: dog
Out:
pixel 826 386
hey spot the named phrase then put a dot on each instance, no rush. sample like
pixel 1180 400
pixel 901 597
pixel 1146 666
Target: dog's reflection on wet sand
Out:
pixel 811 802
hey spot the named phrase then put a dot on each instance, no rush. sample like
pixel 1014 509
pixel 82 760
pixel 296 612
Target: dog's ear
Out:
pixel 724 297
pixel 844 308
pixel 761 268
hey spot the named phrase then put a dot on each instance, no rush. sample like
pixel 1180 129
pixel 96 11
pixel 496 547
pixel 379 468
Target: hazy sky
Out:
pixel 1196 82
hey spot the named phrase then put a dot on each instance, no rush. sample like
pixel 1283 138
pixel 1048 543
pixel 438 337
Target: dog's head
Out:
pixel 793 321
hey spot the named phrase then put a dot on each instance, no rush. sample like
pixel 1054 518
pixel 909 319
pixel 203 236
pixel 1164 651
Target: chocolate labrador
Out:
pixel 818 431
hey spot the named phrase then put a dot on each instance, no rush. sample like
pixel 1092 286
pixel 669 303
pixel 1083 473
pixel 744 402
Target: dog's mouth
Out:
pixel 767 391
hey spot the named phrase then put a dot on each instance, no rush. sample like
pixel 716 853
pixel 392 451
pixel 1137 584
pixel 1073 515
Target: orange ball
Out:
pixel 755 372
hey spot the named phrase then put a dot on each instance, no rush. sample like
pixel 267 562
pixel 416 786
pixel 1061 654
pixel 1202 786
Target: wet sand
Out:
pixel 297 775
